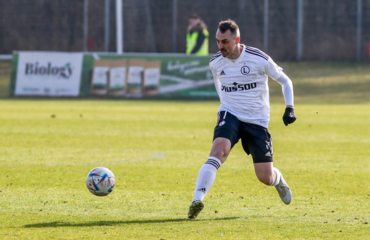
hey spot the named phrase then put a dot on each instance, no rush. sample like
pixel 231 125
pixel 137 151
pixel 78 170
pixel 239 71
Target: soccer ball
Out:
pixel 100 181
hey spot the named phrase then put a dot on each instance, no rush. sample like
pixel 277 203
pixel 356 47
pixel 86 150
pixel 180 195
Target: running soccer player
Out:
pixel 241 74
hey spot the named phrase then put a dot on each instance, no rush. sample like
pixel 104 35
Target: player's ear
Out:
pixel 237 40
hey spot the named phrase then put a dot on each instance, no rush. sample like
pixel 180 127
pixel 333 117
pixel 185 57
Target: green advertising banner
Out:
pixel 141 76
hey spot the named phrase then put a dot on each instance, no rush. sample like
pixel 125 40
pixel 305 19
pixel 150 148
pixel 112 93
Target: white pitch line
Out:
pixel 185 85
pixel 156 155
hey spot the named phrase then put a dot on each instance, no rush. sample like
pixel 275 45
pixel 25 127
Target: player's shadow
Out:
pixel 112 223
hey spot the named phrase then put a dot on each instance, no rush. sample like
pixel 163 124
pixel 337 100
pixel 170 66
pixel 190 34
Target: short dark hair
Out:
pixel 194 16
pixel 228 25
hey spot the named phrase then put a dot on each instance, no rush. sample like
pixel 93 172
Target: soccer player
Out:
pixel 240 74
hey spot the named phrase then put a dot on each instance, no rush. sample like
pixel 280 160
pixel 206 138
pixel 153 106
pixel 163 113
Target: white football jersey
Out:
pixel 242 85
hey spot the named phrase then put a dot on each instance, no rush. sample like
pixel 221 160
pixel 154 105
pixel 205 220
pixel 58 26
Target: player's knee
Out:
pixel 221 149
pixel 266 178
pixel 219 153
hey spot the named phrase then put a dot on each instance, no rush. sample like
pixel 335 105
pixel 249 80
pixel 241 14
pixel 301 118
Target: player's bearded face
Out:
pixel 226 42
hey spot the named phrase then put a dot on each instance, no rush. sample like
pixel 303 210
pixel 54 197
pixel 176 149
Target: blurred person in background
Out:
pixel 197 36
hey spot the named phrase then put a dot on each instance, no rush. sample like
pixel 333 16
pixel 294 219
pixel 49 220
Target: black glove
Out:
pixel 289 116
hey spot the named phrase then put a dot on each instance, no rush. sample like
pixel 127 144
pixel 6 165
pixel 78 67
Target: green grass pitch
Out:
pixel 155 150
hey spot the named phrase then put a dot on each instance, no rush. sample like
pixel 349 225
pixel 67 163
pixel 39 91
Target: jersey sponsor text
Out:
pixel 239 87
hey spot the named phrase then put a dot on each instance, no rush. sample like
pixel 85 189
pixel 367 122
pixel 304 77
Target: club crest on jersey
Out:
pixel 245 70
pixel 239 87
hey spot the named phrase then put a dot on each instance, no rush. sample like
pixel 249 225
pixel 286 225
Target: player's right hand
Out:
pixel 289 116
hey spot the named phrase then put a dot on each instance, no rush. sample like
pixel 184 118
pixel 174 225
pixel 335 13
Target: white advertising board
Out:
pixel 117 78
pixel 134 74
pixel 152 76
pixel 48 74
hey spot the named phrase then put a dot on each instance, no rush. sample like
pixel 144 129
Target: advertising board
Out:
pixel 48 74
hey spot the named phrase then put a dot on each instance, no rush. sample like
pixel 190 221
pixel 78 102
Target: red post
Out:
pixel 90 44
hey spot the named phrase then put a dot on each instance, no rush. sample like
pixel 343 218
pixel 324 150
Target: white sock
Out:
pixel 206 177
pixel 277 176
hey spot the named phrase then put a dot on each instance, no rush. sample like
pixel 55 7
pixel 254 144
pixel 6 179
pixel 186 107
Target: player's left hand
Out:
pixel 289 116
